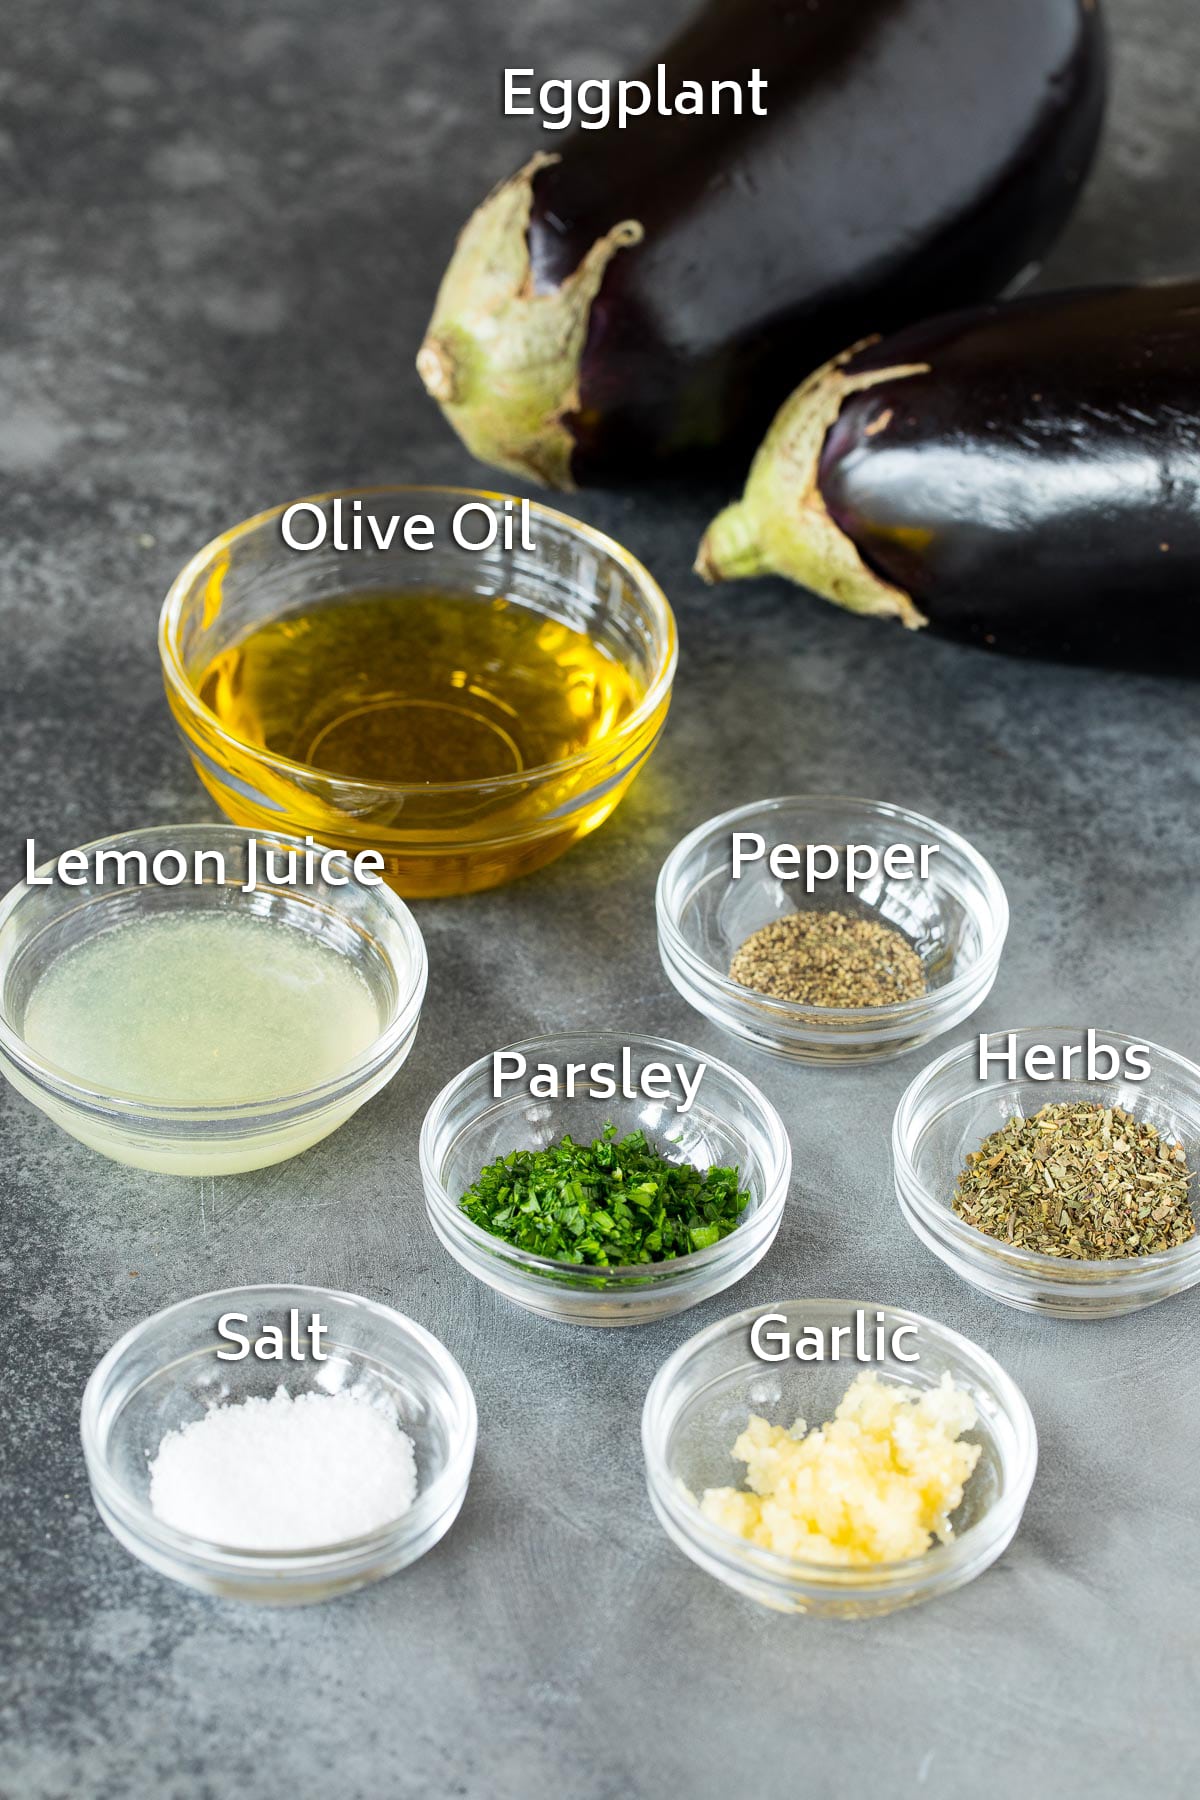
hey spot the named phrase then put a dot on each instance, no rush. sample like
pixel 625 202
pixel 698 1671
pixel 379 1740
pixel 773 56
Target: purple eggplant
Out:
pixel 654 291
pixel 1024 476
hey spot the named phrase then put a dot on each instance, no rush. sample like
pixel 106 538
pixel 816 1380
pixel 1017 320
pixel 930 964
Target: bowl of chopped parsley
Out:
pixel 599 1209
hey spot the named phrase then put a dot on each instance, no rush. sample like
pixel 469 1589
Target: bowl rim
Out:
pixel 1101 1273
pixel 942 1559
pixel 181 690
pixel 427 1507
pixel 444 1206
pixel 791 1012
pixel 125 1105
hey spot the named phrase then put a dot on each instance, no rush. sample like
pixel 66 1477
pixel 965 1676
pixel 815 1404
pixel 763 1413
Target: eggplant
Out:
pixel 655 291
pixel 1024 476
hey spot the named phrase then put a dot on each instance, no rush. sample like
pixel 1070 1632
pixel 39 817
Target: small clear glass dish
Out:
pixel 698 1405
pixel 956 920
pixel 164 1374
pixel 370 926
pixel 436 837
pixel 729 1124
pixel 948 1111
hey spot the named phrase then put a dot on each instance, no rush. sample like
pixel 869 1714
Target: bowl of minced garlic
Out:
pixel 913 1484
pixel 877 1484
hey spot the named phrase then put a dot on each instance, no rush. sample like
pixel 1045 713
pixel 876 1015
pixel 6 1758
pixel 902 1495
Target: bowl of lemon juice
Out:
pixel 211 1024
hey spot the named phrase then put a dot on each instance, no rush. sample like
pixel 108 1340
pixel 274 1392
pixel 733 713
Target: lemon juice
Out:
pixel 195 1009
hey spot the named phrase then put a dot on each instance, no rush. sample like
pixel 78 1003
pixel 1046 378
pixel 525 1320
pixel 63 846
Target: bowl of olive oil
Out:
pixel 469 714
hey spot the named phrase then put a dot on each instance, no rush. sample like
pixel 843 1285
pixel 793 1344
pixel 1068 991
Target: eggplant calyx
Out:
pixel 501 360
pixel 781 525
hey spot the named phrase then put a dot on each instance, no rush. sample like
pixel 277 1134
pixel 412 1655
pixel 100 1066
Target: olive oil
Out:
pixel 463 736
pixel 415 689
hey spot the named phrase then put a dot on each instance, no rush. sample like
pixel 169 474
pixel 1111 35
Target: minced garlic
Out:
pixel 875 1485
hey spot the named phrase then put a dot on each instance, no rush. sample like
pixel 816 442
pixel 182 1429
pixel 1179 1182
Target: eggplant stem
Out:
pixel 781 525
pixel 437 369
pixel 501 360
pixel 729 549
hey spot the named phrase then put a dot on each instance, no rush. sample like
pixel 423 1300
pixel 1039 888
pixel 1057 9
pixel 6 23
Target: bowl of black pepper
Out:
pixel 1054 1169
pixel 829 929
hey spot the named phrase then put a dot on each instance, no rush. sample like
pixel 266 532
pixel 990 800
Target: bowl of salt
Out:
pixel 278 1444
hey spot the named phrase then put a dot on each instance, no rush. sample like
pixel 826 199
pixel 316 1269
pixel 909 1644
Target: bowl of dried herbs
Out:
pixel 1057 1191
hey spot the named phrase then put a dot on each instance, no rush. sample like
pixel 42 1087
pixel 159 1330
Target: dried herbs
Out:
pixel 830 959
pixel 608 1204
pixel 1079 1180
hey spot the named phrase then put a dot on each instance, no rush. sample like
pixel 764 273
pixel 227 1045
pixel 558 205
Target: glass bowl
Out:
pixel 164 1374
pixel 698 1405
pixel 956 920
pixel 948 1111
pixel 370 926
pixel 730 1123
pixel 449 837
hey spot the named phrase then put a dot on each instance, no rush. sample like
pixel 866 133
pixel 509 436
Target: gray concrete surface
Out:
pixel 222 227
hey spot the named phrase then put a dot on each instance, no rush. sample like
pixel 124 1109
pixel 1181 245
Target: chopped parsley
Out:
pixel 609 1204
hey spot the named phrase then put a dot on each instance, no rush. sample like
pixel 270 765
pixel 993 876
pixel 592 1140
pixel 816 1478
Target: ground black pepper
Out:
pixel 830 959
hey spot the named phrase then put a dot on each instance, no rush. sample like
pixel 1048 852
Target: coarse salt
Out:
pixel 285 1473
